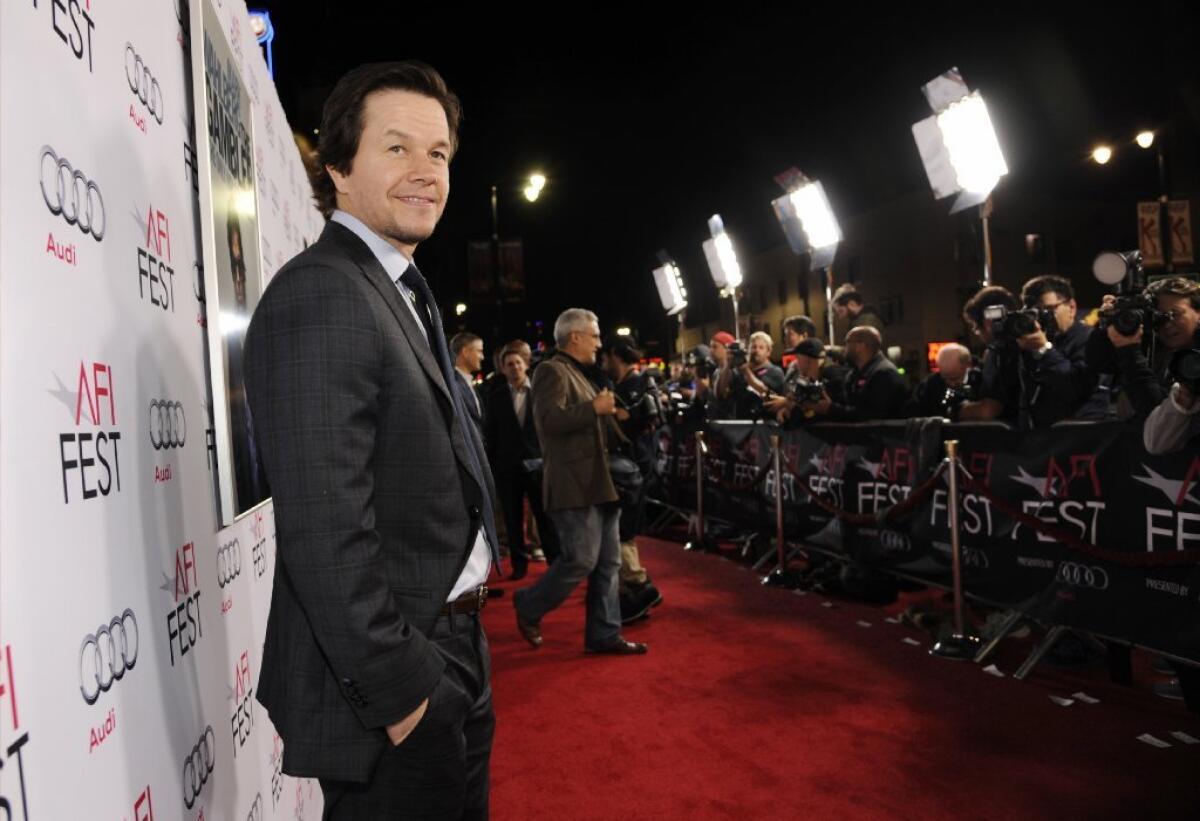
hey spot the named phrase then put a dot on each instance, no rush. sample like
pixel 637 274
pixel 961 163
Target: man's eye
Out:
pixel 396 149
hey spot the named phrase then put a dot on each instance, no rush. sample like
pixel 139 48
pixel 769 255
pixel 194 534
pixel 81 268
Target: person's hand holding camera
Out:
pixel 820 407
pixel 1034 343
pixel 776 403
pixel 605 404
pixel 1184 397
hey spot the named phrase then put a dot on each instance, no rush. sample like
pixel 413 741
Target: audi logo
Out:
pixel 142 83
pixel 891 540
pixel 106 655
pixel 198 766
pixel 72 195
pixel 168 424
pixel 256 809
pixel 1080 575
pixel 229 562
pixel 974 557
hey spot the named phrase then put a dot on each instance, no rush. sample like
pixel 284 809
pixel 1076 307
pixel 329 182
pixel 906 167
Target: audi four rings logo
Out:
pixel 256 809
pixel 106 655
pixel 229 562
pixel 198 766
pixel 68 193
pixel 168 424
pixel 143 84
pixel 891 540
pixel 1079 575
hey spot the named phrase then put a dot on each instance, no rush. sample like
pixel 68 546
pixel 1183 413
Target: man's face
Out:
pixel 585 344
pixel 809 367
pixel 400 178
pixel 719 352
pixel 760 352
pixel 857 352
pixel 472 356
pixel 791 339
pixel 952 369
pixel 515 369
pixel 1064 310
pixel 841 310
pixel 1179 331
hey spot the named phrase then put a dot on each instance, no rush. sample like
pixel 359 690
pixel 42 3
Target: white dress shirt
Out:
pixel 520 397
pixel 395 263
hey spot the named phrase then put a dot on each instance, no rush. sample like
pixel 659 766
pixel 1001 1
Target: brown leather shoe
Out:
pixel 620 647
pixel 530 631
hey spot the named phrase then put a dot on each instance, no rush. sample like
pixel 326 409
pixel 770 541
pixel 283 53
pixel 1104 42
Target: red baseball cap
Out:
pixel 724 337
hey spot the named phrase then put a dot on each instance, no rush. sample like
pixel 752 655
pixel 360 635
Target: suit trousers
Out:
pixel 513 486
pixel 441 770
pixel 591 550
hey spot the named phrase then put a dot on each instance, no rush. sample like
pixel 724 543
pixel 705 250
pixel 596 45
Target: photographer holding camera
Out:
pixel 1171 309
pixel 749 376
pixel 943 392
pixel 874 389
pixel 1035 371
pixel 805 384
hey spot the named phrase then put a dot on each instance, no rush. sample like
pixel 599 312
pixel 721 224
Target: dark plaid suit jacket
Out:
pixel 376 510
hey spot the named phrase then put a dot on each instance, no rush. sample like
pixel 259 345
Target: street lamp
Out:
pixel 960 151
pixel 624 330
pixel 532 190
pixel 1102 154
pixel 810 226
pixel 460 309
pixel 723 263
pixel 1147 139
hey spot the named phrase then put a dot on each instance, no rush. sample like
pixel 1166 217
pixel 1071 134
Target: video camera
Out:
pixel 738 356
pixel 1009 326
pixel 956 395
pixel 803 390
pixel 1133 310
pixel 699 360
pixel 1185 369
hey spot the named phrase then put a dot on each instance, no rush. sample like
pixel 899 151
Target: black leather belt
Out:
pixel 468 603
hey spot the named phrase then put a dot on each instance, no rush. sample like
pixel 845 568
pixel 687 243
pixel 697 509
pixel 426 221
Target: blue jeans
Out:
pixel 591 549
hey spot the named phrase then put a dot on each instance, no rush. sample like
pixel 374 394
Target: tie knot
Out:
pixel 412 277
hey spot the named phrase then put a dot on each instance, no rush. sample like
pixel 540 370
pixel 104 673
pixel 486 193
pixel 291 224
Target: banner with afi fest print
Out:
pixel 130 620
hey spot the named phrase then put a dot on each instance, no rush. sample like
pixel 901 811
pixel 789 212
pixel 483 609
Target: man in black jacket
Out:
pixel 953 370
pixel 874 389
pixel 512 441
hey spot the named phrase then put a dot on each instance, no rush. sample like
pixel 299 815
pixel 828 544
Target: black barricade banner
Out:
pixel 1075 525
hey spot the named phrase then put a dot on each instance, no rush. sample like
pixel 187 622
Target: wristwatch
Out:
pixel 1040 352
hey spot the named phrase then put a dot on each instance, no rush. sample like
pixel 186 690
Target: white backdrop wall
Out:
pixel 130 626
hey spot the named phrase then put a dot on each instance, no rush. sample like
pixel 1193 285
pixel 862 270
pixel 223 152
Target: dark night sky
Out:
pixel 647 125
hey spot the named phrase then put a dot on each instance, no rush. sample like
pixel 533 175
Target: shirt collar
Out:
pixel 392 260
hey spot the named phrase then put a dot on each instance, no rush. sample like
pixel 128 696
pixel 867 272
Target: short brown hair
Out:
pixel 1176 286
pixel 342 117
pixel 519 347
pixel 462 340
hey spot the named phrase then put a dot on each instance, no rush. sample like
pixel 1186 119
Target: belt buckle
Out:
pixel 481 594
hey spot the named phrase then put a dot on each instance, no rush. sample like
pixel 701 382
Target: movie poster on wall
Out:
pixel 232 260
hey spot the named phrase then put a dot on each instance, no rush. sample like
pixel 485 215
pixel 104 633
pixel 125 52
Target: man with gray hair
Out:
pixel 943 392
pixel 575 424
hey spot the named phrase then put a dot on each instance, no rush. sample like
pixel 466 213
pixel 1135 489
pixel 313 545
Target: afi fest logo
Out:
pixel 184 627
pixel 71 21
pixel 70 194
pixel 1172 526
pixel 145 89
pixel 89 454
pixel 156 277
pixel 12 786
pixel 258 530
pixel 892 480
pixel 242 696
pixel 143 809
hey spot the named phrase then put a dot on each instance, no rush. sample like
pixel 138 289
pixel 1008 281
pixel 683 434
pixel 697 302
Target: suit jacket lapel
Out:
pixel 361 255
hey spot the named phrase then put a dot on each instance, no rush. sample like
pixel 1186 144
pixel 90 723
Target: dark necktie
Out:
pixel 427 310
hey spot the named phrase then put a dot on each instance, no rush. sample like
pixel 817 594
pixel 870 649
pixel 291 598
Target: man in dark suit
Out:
pixel 467 350
pixel 575 424
pixel 375 668
pixel 512 440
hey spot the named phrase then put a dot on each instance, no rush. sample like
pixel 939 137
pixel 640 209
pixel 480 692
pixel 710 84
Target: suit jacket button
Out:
pixel 473 511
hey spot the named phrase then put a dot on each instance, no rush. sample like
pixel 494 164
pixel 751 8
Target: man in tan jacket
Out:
pixel 574 424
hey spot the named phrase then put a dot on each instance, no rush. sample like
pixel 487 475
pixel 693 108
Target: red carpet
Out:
pixel 758 703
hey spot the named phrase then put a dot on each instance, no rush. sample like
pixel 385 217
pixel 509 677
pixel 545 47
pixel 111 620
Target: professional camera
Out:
pixel 1133 310
pixel 1009 326
pixel 699 360
pixel 738 355
pixel 956 395
pixel 1185 369
pixel 803 390
pixel 643 407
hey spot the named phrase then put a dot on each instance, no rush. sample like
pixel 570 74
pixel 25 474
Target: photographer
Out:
pixel 943 393
pixel 874 389
pixel 1174 308
pixel 803 383
pixel 1000 381
pixel 848 304
pixel 747 377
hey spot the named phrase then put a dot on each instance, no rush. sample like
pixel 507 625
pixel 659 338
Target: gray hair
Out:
pixel 764 338
pixel 570 321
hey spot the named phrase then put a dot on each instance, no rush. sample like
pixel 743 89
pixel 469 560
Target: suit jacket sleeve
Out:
pixel 314 365
pixel 554 413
